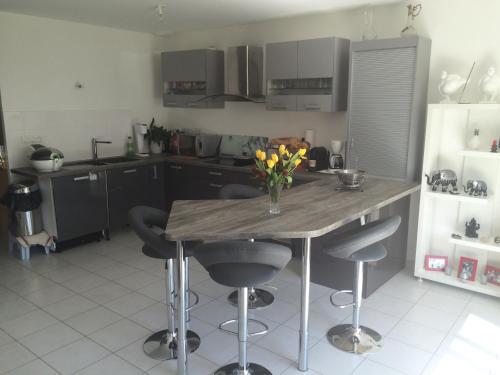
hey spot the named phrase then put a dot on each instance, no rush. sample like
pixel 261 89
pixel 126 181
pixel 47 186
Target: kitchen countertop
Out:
pixel 309 210
pixel 79 167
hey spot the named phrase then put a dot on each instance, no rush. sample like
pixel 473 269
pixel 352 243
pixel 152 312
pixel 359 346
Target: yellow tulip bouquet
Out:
pixel 277 171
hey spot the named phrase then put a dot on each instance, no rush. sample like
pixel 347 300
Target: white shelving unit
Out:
pixel 449 127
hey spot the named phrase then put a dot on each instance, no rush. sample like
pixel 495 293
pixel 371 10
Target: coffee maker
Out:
pixel 141 146
pixel 336 159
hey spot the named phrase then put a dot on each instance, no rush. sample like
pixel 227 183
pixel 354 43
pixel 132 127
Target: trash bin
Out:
pixel 24 201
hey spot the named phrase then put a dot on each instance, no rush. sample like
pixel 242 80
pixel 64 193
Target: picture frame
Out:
pixel 492 274
pixel 467 269
pixel 437 263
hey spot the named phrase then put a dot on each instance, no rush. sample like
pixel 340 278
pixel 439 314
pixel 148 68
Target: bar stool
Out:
pixel 241 264
pixel 359 245
pixel 257 297
pixel 162 345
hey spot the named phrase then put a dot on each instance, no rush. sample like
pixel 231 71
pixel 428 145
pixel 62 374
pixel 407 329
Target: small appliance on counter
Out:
pixel 207 145
pixel 336 159
pixel 141 146
pixel 45 159
pixel 182 144
pixel 321 157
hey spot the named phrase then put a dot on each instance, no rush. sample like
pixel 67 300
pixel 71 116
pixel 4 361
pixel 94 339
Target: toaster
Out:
pixel 207 145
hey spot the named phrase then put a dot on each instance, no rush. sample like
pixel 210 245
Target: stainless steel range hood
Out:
pixel 244 72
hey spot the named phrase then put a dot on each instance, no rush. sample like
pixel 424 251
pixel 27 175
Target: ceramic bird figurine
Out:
pixel 449 85
pixel 489 84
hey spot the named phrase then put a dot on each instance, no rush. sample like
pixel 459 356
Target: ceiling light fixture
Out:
pixel 160 10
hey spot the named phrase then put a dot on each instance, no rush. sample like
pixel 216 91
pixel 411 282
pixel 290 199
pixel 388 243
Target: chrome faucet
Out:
pixel 95 141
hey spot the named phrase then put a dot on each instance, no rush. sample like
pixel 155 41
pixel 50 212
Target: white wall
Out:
pixel 40 61
pixel 462 31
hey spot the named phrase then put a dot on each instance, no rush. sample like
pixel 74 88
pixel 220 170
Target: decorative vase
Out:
pixel 474 142
pixel 156 148
pixel 450 84
pixel 489 85
pixel 274 198
pixel 369 32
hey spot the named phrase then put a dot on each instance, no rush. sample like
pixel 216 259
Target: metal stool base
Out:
pixel 257 300
pixel 234 369
pixel 348 339
pixel 162 345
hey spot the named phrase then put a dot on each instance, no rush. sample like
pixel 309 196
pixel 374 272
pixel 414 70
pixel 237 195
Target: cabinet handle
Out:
pixel 81 178
pixel 171 103
pixel 215 185
pixel 312 107
pixel 130 171
pixel 279 107
pixel 212 173
pixel 155 172
pixel 175 167
pixel 191 104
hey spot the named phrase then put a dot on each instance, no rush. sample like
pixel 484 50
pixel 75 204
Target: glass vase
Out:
pixel 274 198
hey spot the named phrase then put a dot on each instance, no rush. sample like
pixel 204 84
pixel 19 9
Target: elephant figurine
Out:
pixel 445 178
pixel 476 187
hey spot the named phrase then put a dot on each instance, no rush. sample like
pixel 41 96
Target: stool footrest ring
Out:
pixel 196 300
pixel 340 306
pixel 251 334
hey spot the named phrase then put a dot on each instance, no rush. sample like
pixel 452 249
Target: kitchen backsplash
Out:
pixel 241 144
pixel 69 131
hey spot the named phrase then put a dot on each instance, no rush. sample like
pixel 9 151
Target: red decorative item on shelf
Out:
pixel 494 146
pixel 435 263
pixel 492 275
pixel 467 269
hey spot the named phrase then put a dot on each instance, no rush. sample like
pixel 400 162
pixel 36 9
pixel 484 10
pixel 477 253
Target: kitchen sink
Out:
pixel 103 161
pixel 94 162
pixel 115 160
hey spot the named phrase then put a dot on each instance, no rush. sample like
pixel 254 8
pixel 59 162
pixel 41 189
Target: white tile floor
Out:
pixel 89 309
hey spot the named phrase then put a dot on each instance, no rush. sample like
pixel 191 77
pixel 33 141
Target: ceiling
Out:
pixel 180 15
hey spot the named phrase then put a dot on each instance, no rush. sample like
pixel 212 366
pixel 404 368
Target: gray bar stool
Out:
pixel 359 245
pixel 257 297
pixel 162 345
pixel 241 264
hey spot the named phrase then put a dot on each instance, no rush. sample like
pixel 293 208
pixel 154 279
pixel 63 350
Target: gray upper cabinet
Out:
pixel 387 106
pixel 281 60
pixel 315 58
pixel 307 75
pixel 190 76
pixel 185 65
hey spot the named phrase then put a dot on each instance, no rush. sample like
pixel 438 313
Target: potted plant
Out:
pixel 157 137
pixel 277 171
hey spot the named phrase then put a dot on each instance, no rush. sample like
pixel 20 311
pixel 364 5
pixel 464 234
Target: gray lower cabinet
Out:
pixel 156 186
pixel 184 181
pixel 132 186
pixel 80 204
pixel 202 182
